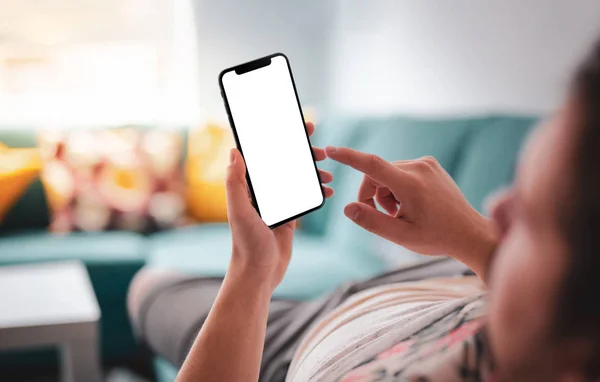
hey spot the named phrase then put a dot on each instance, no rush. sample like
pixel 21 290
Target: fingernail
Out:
pixel 231 156
pixel 353 212
pixel 330 149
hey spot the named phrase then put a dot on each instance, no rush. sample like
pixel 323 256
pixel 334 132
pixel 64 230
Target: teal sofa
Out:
pixel 112 258
pixel 480 153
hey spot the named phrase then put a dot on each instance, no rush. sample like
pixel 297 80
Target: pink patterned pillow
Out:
pixel 116 179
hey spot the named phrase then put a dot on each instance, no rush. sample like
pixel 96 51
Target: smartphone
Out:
pixel 268 125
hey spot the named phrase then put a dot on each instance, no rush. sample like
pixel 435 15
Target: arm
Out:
pixel 230 344
pixel 425 211
pixel 479 245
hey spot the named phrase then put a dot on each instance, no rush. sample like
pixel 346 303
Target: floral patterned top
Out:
pixel 451 349
pixel 429 330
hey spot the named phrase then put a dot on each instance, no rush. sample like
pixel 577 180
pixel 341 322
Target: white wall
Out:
pixel 231 32
pixel 459 56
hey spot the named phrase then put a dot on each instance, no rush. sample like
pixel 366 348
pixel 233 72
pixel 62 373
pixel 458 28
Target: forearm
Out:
pixel 230 344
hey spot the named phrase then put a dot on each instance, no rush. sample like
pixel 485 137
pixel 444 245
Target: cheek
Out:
pixel 522 289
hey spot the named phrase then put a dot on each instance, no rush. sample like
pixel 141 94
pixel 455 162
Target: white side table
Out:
pixel 52 304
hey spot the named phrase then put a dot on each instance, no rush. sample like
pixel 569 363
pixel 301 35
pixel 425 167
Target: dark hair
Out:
pixel 579 305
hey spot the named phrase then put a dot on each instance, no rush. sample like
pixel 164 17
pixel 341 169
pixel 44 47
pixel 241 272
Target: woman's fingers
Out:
pixel 310 128
pixel 387 200
pixel 319 154
pixel 386 226
pixel 239 205
pixel 328 191
pixel 367 190
pixel 325 176
pixel 378 169
pixel 371 191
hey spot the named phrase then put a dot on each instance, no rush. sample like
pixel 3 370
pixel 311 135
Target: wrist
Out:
pixel 249 277
pixel 488 241
pixel 479 245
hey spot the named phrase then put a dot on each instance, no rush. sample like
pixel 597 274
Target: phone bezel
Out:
pixel 248 67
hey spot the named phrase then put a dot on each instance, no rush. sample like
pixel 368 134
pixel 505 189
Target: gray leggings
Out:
pixel 167 310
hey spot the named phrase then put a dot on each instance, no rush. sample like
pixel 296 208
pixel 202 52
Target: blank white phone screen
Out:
pixel 273 140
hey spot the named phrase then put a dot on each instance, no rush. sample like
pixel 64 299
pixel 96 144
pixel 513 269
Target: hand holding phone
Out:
pixel 259 252
pixel 267 122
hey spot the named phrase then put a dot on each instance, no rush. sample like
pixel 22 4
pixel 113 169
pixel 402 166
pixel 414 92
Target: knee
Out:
pixel 144 284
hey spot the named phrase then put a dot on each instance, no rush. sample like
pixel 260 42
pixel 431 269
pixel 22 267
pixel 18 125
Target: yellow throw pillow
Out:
pixel 18 169
pixel 206 165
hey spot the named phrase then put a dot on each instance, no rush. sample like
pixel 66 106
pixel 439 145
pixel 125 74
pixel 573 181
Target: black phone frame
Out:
pixel 248 67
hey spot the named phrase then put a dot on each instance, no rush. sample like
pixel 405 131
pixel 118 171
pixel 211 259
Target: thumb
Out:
pixel 379 223
pixel 239 206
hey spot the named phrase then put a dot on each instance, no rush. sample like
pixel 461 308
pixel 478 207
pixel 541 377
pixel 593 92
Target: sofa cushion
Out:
pixel 489 157
pixel 91 248
pixel 317 266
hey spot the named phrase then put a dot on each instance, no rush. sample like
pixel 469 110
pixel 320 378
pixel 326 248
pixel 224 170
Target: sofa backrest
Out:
pixel 489 157
pixel 31 210
pixel 479 153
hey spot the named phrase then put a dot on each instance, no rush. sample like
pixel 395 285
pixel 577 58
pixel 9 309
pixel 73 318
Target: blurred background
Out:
pixel 114 140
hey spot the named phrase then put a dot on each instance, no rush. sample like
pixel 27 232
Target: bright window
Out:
pixel 89 63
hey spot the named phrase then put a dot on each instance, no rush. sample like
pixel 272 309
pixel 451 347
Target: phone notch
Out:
pixel 253 65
